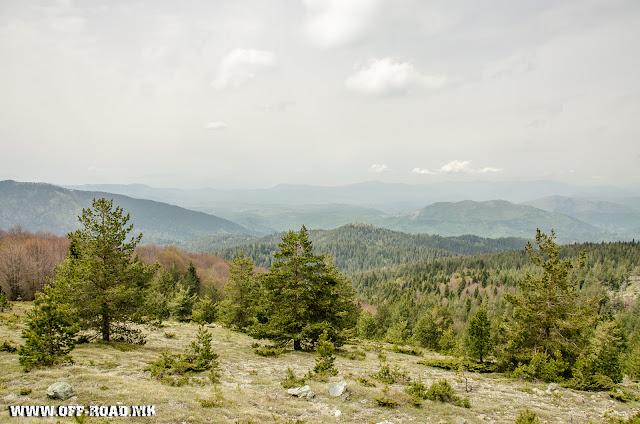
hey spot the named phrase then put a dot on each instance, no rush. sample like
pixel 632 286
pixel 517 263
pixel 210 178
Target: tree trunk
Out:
pixel 106 325
pixel 297 345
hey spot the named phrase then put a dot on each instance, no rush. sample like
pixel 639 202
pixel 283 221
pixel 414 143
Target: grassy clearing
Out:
pixel 250 389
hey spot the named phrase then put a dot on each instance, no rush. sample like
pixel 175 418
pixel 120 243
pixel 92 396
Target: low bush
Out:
pixel 442 391
pixel 453 364
pixel 527 417
pixel 180 369
pixel 268 351
pixel 291 381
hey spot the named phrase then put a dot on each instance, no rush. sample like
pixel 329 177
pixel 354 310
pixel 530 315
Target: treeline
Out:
pixel 359 247
pixel 27 260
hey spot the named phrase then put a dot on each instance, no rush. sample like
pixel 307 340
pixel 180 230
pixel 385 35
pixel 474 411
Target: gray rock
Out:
pixel 336 389
pixel 61 391
pixel 302 392
pixel 384 422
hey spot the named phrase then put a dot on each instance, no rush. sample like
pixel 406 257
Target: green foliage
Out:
pixel 100 277
pixel 303 295
pixel 181 304
pixel 479 340
pixel 387 375
pixel 542 366
pixel 190 281
pixel 8 346
pixel 236 310
pixel 180 369
pixel 204 311
pixel 452 364
pixel 50 332
pixel 121 332
pixel 386 402
pixel 214 401
pixel 442 391
pixel 417 389
pixel 430 329
pixel 291 380
pixel 549 314
pixel 268 351
pixel 326 358
pixel 527 417
pixel 24 391
pixel 366 327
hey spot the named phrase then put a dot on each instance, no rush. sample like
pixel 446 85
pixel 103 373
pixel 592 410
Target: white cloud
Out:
pixel 385 77
pixel 422 171
pixel 456 167
pixel 240 66
pixel 464 167
pixel 332 23
pixel 379 168
pixel 215 125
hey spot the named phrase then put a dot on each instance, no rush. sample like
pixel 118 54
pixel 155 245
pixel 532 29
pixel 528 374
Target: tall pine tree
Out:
pixel 100 276
pixel 303 295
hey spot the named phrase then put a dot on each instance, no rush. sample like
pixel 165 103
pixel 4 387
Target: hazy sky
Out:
pixel 260 92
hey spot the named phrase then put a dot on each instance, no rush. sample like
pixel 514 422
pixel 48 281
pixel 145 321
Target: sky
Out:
pixel 254 93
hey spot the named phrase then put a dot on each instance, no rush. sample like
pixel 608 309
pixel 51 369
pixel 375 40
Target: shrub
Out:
pixel 179 369
pixel 407 350
pixel 442 391
pixel 386 402
pixel 325 360
pixel 542 367
pixel 268 351
pixel 291 380
pixel 527 417
pixel 49 334
pixel 453 364
pixel 388 376
pixel 204 311
pixel 8 346
pixel 122 332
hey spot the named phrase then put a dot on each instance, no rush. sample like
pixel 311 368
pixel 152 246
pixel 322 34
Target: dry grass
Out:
pixel 250 390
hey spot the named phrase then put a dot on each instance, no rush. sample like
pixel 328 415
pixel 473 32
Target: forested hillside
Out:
pixel 45 207
pixel 358 247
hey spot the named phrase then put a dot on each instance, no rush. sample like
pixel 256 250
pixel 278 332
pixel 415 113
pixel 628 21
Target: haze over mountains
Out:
pixel 225 218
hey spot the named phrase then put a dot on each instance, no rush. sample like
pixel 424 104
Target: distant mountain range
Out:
pixel 45 207
pixel 387 197
pixel 227 218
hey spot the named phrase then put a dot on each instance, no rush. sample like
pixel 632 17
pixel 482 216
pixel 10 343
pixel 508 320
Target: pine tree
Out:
pixel 303 295
pixel 100 277
pixel 479 335
pixel 326 358
pixel 51 328
pixel 238 304
pixel 549 314
pixel 191 281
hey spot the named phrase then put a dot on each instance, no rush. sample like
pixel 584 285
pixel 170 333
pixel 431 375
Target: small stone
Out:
pixel 61 391
pixel 337 413
pixel 336 389
pixel 384 422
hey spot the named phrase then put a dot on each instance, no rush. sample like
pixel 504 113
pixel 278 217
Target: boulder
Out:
pixel 337 389
pixel 60 390
pixel 302 392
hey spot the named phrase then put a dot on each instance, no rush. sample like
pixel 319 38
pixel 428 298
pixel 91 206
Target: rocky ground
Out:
pixel 249 390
